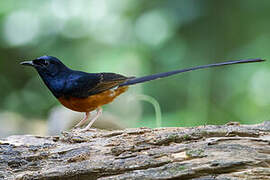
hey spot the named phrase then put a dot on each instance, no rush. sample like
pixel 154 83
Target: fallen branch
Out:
pixel 228 151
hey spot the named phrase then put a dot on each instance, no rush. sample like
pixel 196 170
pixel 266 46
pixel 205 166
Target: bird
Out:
pixel 85 92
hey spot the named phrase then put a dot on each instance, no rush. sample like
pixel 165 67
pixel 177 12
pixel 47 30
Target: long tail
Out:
pixel 170 73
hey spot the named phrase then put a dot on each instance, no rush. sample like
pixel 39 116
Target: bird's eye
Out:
pixel 41 62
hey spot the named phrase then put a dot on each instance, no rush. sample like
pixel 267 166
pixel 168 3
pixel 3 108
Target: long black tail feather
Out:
pixel 170 73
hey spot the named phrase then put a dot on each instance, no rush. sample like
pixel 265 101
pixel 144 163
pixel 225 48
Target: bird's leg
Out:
pixel 99 112
pixel 87 115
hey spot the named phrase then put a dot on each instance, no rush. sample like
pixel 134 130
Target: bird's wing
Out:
pixel 93 83
pixel 107 81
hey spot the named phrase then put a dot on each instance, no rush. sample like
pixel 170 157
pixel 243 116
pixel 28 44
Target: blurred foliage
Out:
pixel 135 37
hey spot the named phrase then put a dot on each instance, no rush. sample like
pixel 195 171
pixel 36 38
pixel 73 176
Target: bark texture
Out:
pixel 229 151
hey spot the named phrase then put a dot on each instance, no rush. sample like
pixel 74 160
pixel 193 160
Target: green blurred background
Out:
pixel 135 38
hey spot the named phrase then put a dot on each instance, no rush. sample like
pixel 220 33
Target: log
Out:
pixel 230 151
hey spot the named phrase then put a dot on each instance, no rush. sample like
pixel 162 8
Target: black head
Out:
pixel 48 65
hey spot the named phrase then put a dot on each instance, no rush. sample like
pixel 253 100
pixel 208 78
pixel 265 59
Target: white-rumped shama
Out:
pixel 85 92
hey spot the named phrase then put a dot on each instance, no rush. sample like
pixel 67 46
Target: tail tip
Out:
pixel 257 60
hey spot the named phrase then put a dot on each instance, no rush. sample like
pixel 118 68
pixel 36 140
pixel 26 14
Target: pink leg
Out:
pixel 99 112
pixel 87 115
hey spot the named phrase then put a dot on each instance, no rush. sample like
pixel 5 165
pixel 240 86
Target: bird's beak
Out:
pixel 27 63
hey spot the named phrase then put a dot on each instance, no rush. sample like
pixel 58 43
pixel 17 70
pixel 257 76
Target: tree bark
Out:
pixel 229 151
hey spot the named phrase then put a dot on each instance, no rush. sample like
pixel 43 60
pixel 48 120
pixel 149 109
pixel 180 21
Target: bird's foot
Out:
pixel 88 129
pixel 82 130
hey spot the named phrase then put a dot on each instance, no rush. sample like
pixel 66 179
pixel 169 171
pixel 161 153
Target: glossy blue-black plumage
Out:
pixel 64 82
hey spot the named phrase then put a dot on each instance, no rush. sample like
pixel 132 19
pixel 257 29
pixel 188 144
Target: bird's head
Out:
pixel 48 65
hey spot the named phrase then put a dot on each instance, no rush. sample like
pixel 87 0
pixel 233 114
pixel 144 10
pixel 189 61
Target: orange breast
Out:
pixel 92 102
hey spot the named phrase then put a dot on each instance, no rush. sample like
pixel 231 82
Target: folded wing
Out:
pixel 85 85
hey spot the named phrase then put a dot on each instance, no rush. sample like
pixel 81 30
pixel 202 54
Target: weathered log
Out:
pixel 229 151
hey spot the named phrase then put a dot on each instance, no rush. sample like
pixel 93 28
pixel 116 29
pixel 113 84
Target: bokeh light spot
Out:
pixel 152 28
pixel 98 9
pixel 112 30
pixel 20 28
pixel 65 9
pixel 260 87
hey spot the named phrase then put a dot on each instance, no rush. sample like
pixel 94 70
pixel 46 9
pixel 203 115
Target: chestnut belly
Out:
pixel 92 102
